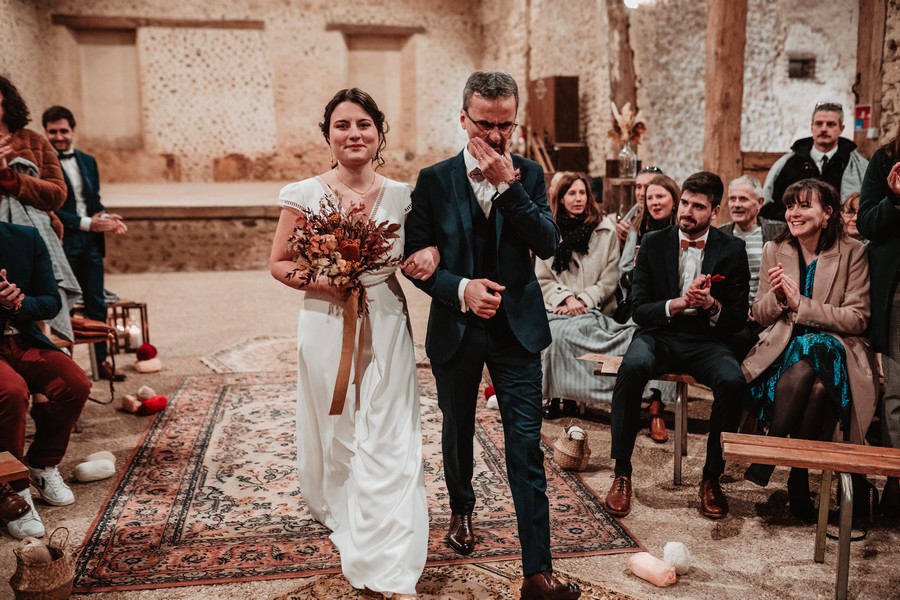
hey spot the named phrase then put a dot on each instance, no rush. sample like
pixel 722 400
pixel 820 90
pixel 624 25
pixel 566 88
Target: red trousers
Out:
pixel 27 368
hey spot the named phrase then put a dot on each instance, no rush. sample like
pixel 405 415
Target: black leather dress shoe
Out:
pixel 460 535
pixel 109 373
pixel 544 586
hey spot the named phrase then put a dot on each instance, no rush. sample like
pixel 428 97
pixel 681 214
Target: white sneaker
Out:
pixel 29 525
pixel 51 487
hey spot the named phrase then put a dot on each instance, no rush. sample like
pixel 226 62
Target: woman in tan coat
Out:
pixel 811 369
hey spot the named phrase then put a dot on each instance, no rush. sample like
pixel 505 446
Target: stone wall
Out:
pixel 21 56
pixel 890 83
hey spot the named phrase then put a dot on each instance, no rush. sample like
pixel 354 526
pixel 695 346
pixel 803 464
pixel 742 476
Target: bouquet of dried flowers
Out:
pixel 340 244
pixel 628 125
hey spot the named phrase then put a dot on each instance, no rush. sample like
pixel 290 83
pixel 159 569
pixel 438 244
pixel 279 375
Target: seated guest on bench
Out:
pixel 849 211
pixel 30 363
pixel 811 369
pixel 690 296
pixel 657 212
pixel 578 285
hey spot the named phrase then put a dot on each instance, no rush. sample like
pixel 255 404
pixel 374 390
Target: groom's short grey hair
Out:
pixel 490 85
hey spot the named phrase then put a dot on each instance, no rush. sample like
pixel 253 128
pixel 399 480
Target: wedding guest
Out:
pixel 86 222
pixel 812 369
pixel 849 215
pixel 685 316
pixel 31 188
pixel 486 210
pixel 360 470
pixel 578 284
pixel 640 187
pixel 30 363
pixel 879 222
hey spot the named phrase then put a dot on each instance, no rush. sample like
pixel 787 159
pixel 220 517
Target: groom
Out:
pixel 487 211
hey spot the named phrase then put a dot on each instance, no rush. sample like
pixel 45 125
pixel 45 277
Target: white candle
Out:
pixel 134 337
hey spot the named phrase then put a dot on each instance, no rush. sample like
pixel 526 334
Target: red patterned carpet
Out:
pixel 210 496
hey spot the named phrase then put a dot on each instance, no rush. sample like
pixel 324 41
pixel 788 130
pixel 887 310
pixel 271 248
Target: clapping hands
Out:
pixel 893 179
pixel 784 287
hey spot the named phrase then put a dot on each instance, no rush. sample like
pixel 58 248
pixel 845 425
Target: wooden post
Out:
pixel 869 63
pixel 726 35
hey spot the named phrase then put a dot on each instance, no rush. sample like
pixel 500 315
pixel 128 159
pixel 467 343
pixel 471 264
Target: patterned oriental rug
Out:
pixel 210 496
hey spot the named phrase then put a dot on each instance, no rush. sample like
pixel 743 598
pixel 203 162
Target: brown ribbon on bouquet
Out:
pixel 349 344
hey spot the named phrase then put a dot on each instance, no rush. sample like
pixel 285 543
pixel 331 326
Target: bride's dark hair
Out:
pixel 364 101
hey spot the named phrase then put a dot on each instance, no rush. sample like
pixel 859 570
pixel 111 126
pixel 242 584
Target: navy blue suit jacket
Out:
pixel 90 178
pixel 656 281
pixel 27 262
pixel 441 216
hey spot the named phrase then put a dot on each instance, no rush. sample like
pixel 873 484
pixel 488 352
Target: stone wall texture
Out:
pixel 225 104
pixel 890 84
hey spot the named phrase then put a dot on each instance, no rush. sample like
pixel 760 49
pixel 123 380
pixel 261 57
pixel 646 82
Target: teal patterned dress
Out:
pixel 824 352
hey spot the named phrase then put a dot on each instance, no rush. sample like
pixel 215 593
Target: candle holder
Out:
pixel 130 332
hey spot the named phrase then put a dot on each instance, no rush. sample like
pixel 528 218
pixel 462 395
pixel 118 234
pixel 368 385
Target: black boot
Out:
pixel 759 474
pixel 799 502
pixel 552 409
pixel 570 408
pixel 890 499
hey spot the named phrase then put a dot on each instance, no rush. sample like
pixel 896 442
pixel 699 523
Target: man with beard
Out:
pixel 486 211
pixel 690 295
pixel 825 155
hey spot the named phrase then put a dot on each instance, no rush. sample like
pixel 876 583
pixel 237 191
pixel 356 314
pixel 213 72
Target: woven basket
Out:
pixel 571 450
pixel 51 581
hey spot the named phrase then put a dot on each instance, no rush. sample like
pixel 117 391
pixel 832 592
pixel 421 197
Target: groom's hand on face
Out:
pixel 496 167
pixel 482 296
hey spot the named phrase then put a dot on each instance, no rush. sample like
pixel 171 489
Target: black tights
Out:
pixel 803 408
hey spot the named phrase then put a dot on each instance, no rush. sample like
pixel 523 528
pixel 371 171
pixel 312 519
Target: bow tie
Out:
pixel 698 244
pixel 476 175
pixel 66 155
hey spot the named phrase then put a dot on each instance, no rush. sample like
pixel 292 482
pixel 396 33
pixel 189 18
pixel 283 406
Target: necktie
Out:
pixel 824 163
pixel 476 175
pixel 698 244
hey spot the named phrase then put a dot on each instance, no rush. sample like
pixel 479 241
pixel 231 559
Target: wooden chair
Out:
pixel 830 457
pixel 608 366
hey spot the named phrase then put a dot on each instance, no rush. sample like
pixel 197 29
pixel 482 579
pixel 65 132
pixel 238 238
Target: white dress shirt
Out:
pixel 690 262
pixel 70 166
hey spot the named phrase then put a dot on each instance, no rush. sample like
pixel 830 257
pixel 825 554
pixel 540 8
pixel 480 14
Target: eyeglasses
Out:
pixel 830 106
pixel 487 126
pixel 655 170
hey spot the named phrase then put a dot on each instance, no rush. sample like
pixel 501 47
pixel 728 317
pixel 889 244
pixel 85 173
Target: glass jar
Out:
pixel 628 161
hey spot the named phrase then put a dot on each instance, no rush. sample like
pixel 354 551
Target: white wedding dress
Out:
pixel 361 472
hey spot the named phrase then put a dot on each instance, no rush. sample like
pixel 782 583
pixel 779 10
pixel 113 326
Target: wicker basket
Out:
pixel 571 450
pixel 51 581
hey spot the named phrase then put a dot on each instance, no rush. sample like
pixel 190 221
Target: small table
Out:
pixel 119 317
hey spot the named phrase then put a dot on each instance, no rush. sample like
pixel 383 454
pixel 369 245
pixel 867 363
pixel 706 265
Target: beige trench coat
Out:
pixel 840 306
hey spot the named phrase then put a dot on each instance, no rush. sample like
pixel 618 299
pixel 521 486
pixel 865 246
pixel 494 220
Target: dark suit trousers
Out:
pixel 709 361
pixel 27 368
pixel 516 375
pixel 86 261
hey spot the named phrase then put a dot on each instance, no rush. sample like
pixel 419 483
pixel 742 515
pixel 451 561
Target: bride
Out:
pixel 360 471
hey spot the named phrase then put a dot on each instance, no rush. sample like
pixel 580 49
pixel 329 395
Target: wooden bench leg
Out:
pixel 824 497
pixel 843 565
pixel 680 429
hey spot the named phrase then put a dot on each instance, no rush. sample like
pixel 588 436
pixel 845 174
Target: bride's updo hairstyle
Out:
pixel 364 101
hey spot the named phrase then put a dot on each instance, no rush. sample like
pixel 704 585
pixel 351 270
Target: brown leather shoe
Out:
pixel 12 505
pixel 544 586
pixel 618 500
pixel 108 372
pixel 461 535
pixel 713 503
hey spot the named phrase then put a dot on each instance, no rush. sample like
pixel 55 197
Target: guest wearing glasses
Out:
pixel 849 213
pixel 825 156
pixel 879 221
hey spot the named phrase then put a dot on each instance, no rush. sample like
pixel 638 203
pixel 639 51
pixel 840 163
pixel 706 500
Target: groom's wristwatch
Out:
pixel 505 185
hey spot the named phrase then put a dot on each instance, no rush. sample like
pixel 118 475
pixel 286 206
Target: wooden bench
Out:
pixel 829 457
pixel 608 366
pixel 11 469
